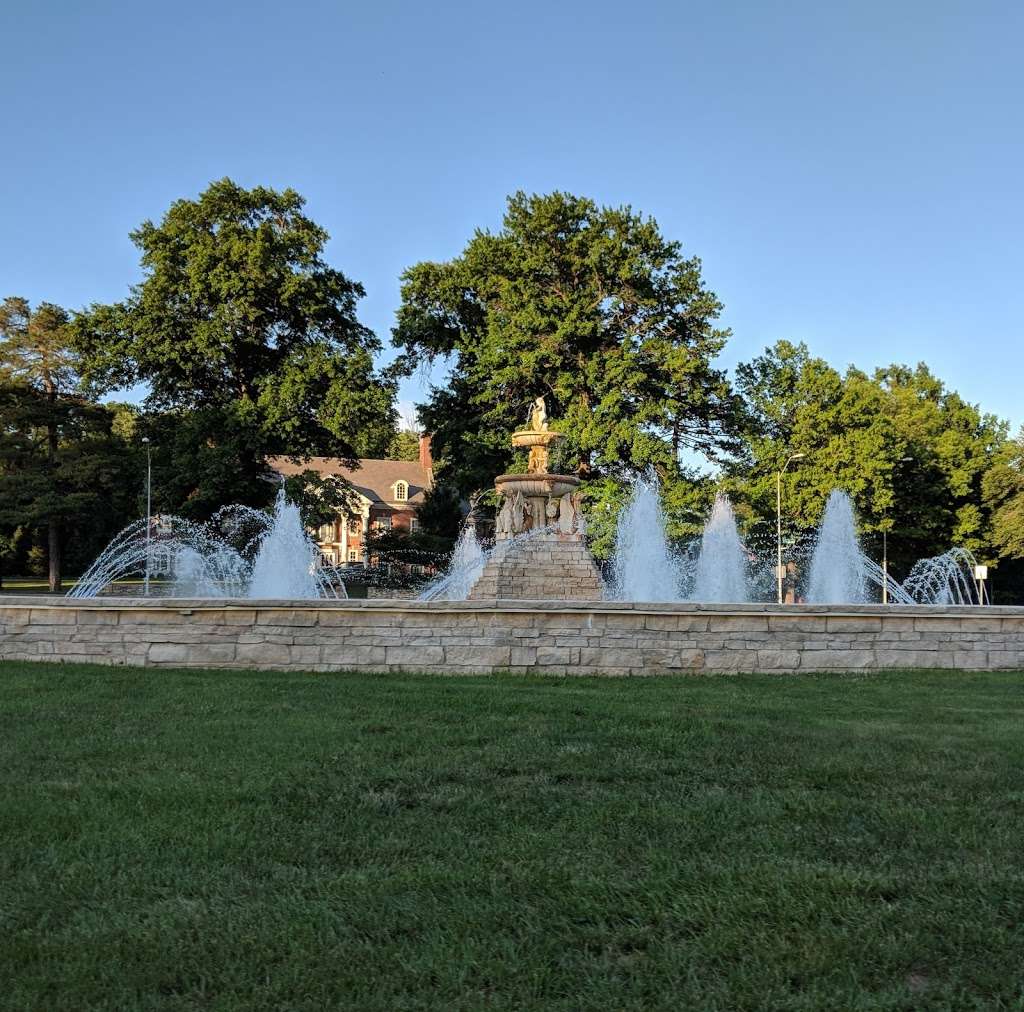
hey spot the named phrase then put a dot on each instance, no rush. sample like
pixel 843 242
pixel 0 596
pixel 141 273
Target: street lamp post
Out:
pixel 885 565
pixel 778 519
pixel 149 508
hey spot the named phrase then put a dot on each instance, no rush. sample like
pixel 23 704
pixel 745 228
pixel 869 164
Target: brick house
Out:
pixel 389 492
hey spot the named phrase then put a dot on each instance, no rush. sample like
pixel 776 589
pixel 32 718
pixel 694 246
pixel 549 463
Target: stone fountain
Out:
pixel 540 552
pixel 536 602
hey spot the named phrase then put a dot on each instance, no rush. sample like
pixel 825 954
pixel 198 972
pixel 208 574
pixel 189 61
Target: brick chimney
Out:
pixel 426 460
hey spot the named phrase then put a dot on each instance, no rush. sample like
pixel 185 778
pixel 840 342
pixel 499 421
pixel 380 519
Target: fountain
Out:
pixel 721 570
pixel 464 569
pixel 539 552
pixel 945 579
pixel 644 568
pixel 272 557
pixel 841 573
pixel 532 604
pixel 287 563
pixel 837 565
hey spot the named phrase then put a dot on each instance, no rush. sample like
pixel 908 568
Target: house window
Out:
pixel 353 555
pixel 414 525
pixel 401 491
pixel 327 533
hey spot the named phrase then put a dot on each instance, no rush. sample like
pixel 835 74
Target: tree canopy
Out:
pixel 404 445
pixel 910 452
pixel 589 306
pixel 63 466
pixel 1003 490
pixel 248 343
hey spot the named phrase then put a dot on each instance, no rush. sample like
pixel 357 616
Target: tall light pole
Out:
pixel 149 508
pixel 885 563
pixel 778 519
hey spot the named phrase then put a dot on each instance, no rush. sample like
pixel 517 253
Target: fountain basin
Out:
pixel 534 437
pixel 536 485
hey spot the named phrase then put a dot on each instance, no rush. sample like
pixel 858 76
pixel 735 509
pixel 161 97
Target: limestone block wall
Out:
pixel 488 636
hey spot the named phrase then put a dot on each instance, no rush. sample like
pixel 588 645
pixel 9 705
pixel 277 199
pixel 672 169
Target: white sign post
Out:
pixel 981 575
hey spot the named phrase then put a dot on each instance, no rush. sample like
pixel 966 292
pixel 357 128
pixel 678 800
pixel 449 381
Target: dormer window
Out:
pixel 401 491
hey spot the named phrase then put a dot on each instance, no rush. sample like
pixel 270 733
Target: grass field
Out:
pixel 30 585
pixel 249 841
pixel 39 585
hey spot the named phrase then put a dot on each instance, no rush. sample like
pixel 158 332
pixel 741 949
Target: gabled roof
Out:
pixel 374 479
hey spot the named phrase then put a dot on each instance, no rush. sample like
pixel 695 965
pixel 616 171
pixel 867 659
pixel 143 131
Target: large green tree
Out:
pixel 910 452
pixel 37 366
pixel 1003 489
pixel 589 306
pixel 951 444
pixel 796 403
pixel 63 466
pixel 404 445
pixel 248 343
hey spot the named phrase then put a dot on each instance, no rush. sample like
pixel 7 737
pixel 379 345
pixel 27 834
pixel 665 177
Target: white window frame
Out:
pixel 401 490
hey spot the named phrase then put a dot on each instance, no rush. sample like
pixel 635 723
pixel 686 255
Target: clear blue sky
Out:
pixel 851 173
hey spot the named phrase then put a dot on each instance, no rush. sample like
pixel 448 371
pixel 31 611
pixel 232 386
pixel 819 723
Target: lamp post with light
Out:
pixel 149 508
pixel 778 519
pixel 885 561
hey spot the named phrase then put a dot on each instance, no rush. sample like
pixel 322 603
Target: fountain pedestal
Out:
pixel 540 551
pixel 546 566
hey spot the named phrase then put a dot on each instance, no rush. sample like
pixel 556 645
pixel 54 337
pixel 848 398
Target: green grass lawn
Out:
pixel 39 585
pixel 30 585
pixel 235 840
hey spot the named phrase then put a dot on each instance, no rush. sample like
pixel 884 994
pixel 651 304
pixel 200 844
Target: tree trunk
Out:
pixel 56 583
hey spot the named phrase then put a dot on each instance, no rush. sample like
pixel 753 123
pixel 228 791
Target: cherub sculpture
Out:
pixel 570 514
pixel 503 524
pixel 566 514
pixel 539 416
pixel 520 510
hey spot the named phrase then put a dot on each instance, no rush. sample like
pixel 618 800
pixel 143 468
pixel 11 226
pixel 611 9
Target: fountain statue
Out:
pixel 540 552
pixel 537 498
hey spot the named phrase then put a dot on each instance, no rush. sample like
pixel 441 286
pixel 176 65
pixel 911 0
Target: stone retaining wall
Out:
pixel 527 637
